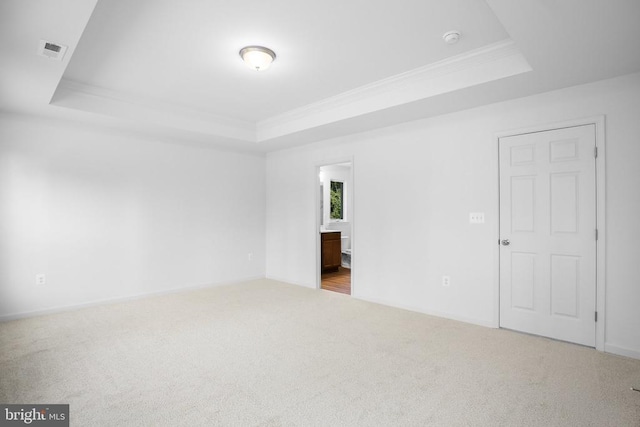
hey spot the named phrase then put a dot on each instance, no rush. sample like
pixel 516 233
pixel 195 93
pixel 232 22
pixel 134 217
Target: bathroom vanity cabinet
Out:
pixel 331 251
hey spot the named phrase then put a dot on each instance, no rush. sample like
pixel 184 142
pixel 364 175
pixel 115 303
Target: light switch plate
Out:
pixel 476 218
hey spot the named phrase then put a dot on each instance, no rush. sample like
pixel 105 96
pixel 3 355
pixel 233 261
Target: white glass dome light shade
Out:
pixel 257 57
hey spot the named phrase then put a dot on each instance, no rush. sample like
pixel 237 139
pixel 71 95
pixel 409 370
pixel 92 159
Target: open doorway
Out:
pixel 335 220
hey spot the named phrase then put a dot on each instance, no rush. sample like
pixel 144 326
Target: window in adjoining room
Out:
pixel 337 201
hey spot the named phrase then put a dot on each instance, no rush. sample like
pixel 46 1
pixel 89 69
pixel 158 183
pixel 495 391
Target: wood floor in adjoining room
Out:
pixel 339 281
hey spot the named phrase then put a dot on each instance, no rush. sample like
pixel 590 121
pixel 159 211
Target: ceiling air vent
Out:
pixel 51 50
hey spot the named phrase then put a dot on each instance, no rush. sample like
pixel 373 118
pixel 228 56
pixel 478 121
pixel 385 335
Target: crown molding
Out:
pixel 488 63
pixel 485 64
pixel 82 96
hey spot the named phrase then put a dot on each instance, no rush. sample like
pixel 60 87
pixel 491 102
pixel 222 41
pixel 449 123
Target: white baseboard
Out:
pixel 279 279
pixel 621 351
pixel 451 316
pixel 61 309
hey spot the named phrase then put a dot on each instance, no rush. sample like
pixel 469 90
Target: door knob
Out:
pixel 505 242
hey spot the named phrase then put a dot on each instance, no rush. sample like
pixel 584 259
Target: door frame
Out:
pixel 351 194
pixel 599 123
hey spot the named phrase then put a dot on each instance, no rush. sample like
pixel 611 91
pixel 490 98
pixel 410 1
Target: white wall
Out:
pixel 438 170
pixel 109 216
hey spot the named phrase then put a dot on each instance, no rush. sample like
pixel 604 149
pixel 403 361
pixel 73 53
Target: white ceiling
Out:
pixel 187 52
pixel 172 70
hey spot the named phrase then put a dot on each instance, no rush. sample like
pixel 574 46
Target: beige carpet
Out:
pixel 269 354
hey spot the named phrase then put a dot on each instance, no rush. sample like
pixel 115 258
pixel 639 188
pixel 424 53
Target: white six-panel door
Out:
pixel 548 233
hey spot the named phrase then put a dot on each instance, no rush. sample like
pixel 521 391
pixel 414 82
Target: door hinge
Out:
pixel 595 152
pixel 596 316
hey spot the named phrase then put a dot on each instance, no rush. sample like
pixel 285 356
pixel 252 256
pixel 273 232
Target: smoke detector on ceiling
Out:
pixel 451 37
pixel 51 50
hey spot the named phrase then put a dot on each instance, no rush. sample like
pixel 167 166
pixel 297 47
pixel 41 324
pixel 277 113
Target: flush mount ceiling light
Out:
pixel 257 57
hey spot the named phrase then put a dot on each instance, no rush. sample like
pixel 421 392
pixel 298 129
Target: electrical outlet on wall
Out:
pixel 446 281
pixel 250 256
pixel 41 279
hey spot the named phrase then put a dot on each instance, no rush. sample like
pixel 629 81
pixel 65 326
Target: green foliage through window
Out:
pixel 337 204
